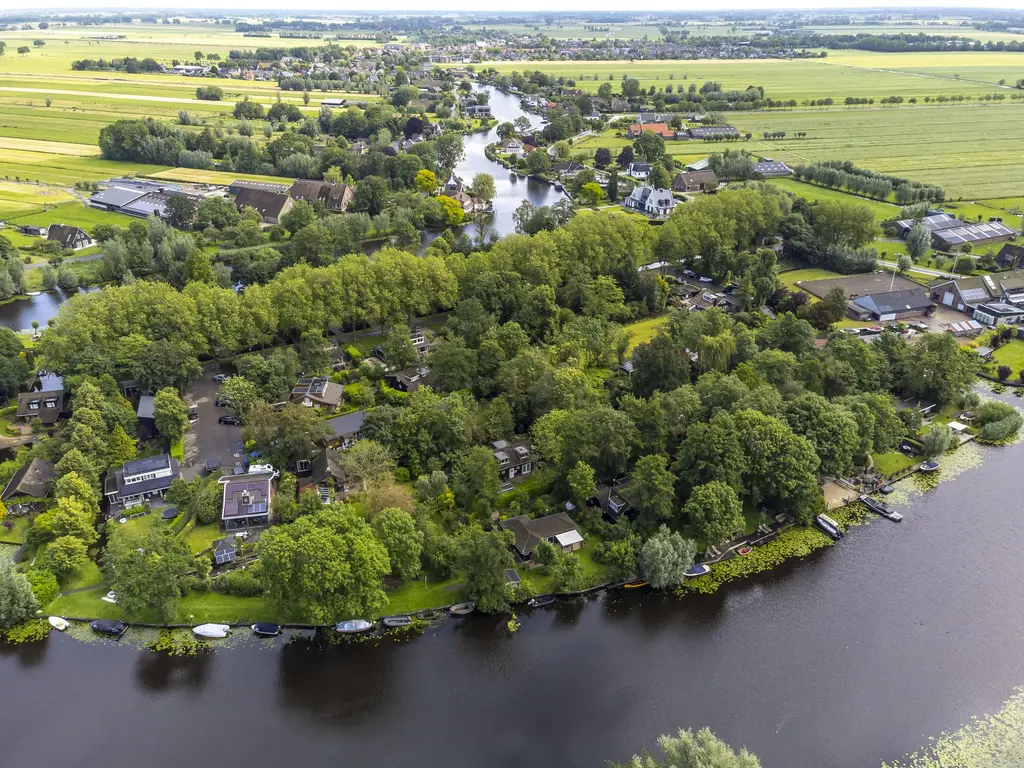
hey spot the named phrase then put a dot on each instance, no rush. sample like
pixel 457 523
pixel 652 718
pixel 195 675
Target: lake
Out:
pixel 855 654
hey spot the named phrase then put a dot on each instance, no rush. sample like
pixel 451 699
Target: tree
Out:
pixel 652 488
pixel 602 157
pixel 649 146
pixel 538 162
pixel 367 463
pixel 324 567
pixel 481 562
pixel 581 483
pixel 147 571
pixel 482 186
pixel 65 555
pixel 396 530
pixel 170 414
pixel 937 440
pixel 659 364
pixel 398 347
pixel 665 558
pixel 475 481
pixel 17 601
pixel 450 152
pixel 426 181
pixel 567 575
pixel 288 435
pixel 452 212
pixel 70 517
pixel 937 368
pixel 300 215
pixel 693 750
pixel 904 262
pixel 197 268
pixel 714 510
pixel 241 393
pixel 919 240
pixel 625 157
pixel 591 193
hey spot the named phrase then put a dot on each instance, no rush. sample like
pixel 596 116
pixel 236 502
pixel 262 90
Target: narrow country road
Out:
pixel 922 270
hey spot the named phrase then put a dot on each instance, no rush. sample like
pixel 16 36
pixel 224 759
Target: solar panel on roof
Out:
pixel 973 294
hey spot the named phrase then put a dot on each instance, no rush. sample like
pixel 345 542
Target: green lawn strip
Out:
pixel 413 596
pixel 814 193
pixel 1010 353
pixel 86 576
pixel 644 330
pixel 892 463
pixel 201 537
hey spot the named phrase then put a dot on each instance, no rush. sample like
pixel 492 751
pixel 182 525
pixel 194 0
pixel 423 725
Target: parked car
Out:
pixel 222 377
pixel 689 273
pixel 705 280
pixel 222 402
pixel 229 419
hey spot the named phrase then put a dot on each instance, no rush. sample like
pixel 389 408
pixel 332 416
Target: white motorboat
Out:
pixel 58 623
pixel 212 630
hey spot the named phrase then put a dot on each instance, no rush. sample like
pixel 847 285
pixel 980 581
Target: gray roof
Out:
pixel 933 223
pixel 117 196
pixel 246 496
pixel 34 479
pixel 347 424
pixel 970 233
pixel 145 410
pixel 147 464
pixel 894 302
pixel 529 532
pixel 772 168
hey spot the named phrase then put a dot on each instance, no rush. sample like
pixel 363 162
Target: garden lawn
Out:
pixel 794 276
pixel 17 534
pixel 644 330
pixel 89 575
pixel 201 537
pixel 594 573
pixel 412 596
pixel 1011 353
pixel 814 193
pixel 892 463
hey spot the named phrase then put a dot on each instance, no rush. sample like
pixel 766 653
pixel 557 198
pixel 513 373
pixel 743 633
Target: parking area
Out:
pixel 206 439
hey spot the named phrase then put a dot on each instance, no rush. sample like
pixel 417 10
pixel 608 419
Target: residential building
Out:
pixel 999 313
pixel 769 168
pixel 891 305
pixel 653 117
pixel 317 392
pixel 44 399
pixel 695 181
pixel 271 206
pixel 145 418
pixel 1010 255
pixel 469 203
pixel 511 146
pixel 68 237
pixel 137 481
pixel 567 169
pixel 638 170
pixel 346 428
pixel 32 229
pixel 967 294
pixel 557 529
pixel 408 380
pixel 454 184
pixel 33 480
pixel 335 196
pixel 612 502
pixel 246 500
pixel 650 201
pixel 482 111
pixel 417 338
pixel 658 129
pixel 324 476
pixel 514 458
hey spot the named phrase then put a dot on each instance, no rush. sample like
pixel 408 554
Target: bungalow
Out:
pixel 32 229
pixel 652 202
pixel 359 147
pixel 246 500
pixel 346 429
pixel 68 237
pixel 469 203
pixel 44 399
pixel 334 195
pixel 514 458
pixel 557 529
pixel 695 181
pixel 271 206
pixel 138 481
pixel 324 476
pixel 317 392
pixel 611 502
pixel 890 305
pixel 408 380
pixel 418 339
pixel 567 169
pixel 511 146
pixel 34 480
pixel 638 170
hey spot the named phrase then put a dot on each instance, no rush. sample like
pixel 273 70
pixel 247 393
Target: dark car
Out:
pixel 108 627
pixel 221 401
pixel 229 419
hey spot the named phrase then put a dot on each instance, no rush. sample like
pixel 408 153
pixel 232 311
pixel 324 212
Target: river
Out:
pixel 19 314
pixel 510 189
pixel 855 654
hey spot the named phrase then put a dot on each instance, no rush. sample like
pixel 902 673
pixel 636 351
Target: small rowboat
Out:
pixel 635 584
pixel 429 615
pixel 397 621
pixel 58 623
pixel 212 630
pixel 264 629
pixel 929 466
pixel 540 601
pixel 462 609
pixel 744 551
pixel 697 569
pixel 353 626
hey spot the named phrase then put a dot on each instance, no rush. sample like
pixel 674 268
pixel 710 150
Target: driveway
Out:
pixel 207 439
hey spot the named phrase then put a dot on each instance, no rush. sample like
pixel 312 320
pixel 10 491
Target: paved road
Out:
pixel 922 270
pixel 207 439
pixel 73 259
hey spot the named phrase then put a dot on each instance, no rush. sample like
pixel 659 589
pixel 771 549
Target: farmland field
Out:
pixel 882 211
pixel 915 28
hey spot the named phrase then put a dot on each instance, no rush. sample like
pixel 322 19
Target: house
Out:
pixel 246 500
pixel 317 392
pixel 967 294
pixel 454 184
pixel 469 203
pixel 145 418
pixel 611 502
pixel 335 196
pixel 68 237
pixel 557 529
pixel 408 380
pixel 567 169
pixel 638 170
pixel 32 229
pixel 659 129
pixel 271 206
pixel 224 551
pixel 44 399
pixel 652 117
pixel 346 428
pixel 359 146
pixel 190 70
pixel 512 146
pixel 695 181
pixel 890 305
pixel 137 481
pixel 417 338
pixel 324 476
pixel 712 132
pixel 650 201
pixel 514 459
pixel 238 185
pixel 34 480
pixel 769 168
pixel 999 313
pixel 1010 255
pixel 482 111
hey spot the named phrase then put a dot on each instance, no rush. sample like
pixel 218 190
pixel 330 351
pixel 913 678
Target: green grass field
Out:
pixel 645 330
pixel 882 211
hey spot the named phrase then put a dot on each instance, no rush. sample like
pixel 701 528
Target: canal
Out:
pixel 19 313
pixel 853 655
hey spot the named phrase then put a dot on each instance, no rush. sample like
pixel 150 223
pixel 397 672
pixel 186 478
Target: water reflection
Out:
pixel 25 654
pixel 161 672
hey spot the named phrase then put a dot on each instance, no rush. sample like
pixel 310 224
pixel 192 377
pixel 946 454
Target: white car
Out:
pixel 222 377
pixel 257 469
pixel 705 279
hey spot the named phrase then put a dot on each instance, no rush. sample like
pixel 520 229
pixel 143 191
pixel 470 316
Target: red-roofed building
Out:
pixel 661 129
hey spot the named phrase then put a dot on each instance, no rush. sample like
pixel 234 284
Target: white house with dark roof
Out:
pixel 515 458
pixel 135 482
pixel 650 201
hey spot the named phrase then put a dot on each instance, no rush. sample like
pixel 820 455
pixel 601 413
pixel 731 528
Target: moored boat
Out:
pixel 353 626
pixel 929 466
pixel 58 623
pixel 879 508
pixel 462 609
pixel 829 527
pixel 744 551
pixel 540 601
pixel 429 614
pixel 265 629
pixel 397 621
pixel 108 627
pixel 212 631
pixel 635 584
pixel 697 569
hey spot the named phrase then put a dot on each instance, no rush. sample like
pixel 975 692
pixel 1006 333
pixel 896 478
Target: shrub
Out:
pixel 240 583
pixel 353 354
pixel 44 585
pixel 1004 372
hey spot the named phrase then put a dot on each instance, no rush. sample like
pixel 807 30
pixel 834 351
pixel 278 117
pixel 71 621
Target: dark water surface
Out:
pixel 854 655
pixel 19 314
